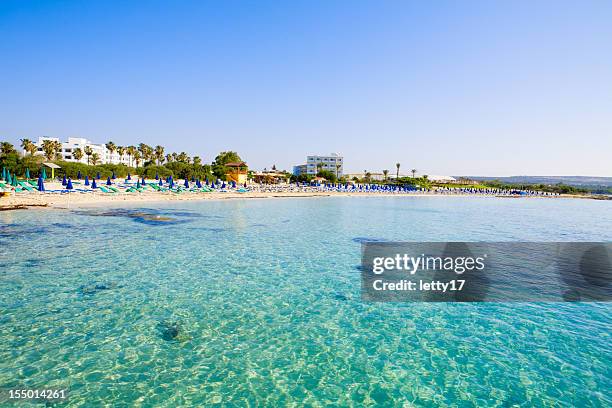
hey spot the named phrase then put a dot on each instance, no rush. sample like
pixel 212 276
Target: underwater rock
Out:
pixel 340 296
pixel 97 287
pixel 171 330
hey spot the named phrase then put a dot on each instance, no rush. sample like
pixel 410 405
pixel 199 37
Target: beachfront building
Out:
pixel 441 179
pixel 236 171
pixel 69 146
pixel 270 177
pixel 334 163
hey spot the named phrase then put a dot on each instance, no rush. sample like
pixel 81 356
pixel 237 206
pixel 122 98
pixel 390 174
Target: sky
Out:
pixel 445 87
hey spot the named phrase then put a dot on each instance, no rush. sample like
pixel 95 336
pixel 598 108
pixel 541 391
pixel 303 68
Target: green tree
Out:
pixel 95 157
pixel 385 173
pixel 121 152
pixel 28 146
pixel 7 148
pixel 218 166
pixel 131 151
pixel 77 154
pixel 88 151
pixel 137 157
pixel 49 149
pixel 159 154
pixel 111 147
pixel 397 167
pixel 413 171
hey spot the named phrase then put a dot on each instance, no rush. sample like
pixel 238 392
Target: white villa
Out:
pixel 81 143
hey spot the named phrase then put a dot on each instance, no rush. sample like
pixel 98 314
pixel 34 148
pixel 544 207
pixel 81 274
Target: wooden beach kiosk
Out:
pixel 52 166
pixel 236 171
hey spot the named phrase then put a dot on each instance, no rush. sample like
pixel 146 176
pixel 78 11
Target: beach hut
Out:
pixel 236 171
pixel 52 166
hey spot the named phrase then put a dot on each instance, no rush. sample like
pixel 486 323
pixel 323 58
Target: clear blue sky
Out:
pixel 457 87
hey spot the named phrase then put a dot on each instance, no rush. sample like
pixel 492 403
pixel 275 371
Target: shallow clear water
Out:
pixel 258 301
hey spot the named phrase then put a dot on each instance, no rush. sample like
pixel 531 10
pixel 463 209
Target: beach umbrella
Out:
pixel 69 185
pixel 206 180
pixel 161 183
pixel 43 173
pixel 108 181
pixel 64 182
pixel 86 180
pixel 98 176
pixel 93 184
pixel 212 184
pixel 171 182
pixel 198 183
pixel 9 180
pixel 144 183
pixel 186 183
pixel 3 173
pixel 223 185
pixel 245 184
pixel 192 179
pixel 234 184
pixel 129 177
pixel 79 175
pixel 138 183
pixel 41 184
pixel 27 173
pixel 156 176
pixel 113 176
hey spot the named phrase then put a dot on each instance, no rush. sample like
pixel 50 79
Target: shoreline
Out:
pixel 76 200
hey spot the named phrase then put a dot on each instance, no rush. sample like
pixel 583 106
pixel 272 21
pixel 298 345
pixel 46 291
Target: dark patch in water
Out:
pixel 285 221
pixel 258 225
pixel 169 330
pixel 32 263
pixel 358 267
pixel 13 230
pixel 340 296
pixel 361 240
pixel 94 288
pixel 61 225
pixel 146 216
pixel 211 229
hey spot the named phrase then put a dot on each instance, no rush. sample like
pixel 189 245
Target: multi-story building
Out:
pixel 73 143
pixel 334 163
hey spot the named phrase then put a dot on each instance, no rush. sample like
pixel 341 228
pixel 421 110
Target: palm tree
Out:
pixel 145 151
pixel 338 171
pixel 197 161
pixel 137 157
pixel 131 150
pixel 6 148
pixel 58 148
pixel 111 147
pixel 88 152
pixel 95 157
pixel 413 171
pixel 77 154
pixel 174 156
pixel 159 154
pixel 397 166
pixel 169 158
pixel 319 167
pixel 385 173
pixel 28 146
pixel 183 158
pixel 121 152
pixel 49 149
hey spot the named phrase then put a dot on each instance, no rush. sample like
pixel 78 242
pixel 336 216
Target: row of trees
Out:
pixel 153 160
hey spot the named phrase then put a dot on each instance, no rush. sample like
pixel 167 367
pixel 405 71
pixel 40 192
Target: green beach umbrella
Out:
pixel 3 173
pixel 14 184
pixel 27 173
pixel 8 178
pixel 43 173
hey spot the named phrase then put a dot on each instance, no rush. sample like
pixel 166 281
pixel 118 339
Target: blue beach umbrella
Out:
pixel 212 184
pixel 192 179
pixel 98 176
pixel 144 183
pixel 113 176
pixel 198 183
pixel 108 181
pixel 129 177
pixel 93 184
pixel 156 176
pixel 27 173
pixel 41 184
pixel 171 182
pixel 64 182
pixel 223 185
pixel 86 180
pixel 206 180
pixel 69 185
pixel 79 175
pixel 245 184
pixel 161 183
pixel 234 184
pixel 138 183
pixel 186 183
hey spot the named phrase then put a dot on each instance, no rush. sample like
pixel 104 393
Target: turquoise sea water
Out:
pixel 257 302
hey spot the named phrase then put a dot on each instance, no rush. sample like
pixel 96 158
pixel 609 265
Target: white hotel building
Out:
pixel 77 142
pixel 334 163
